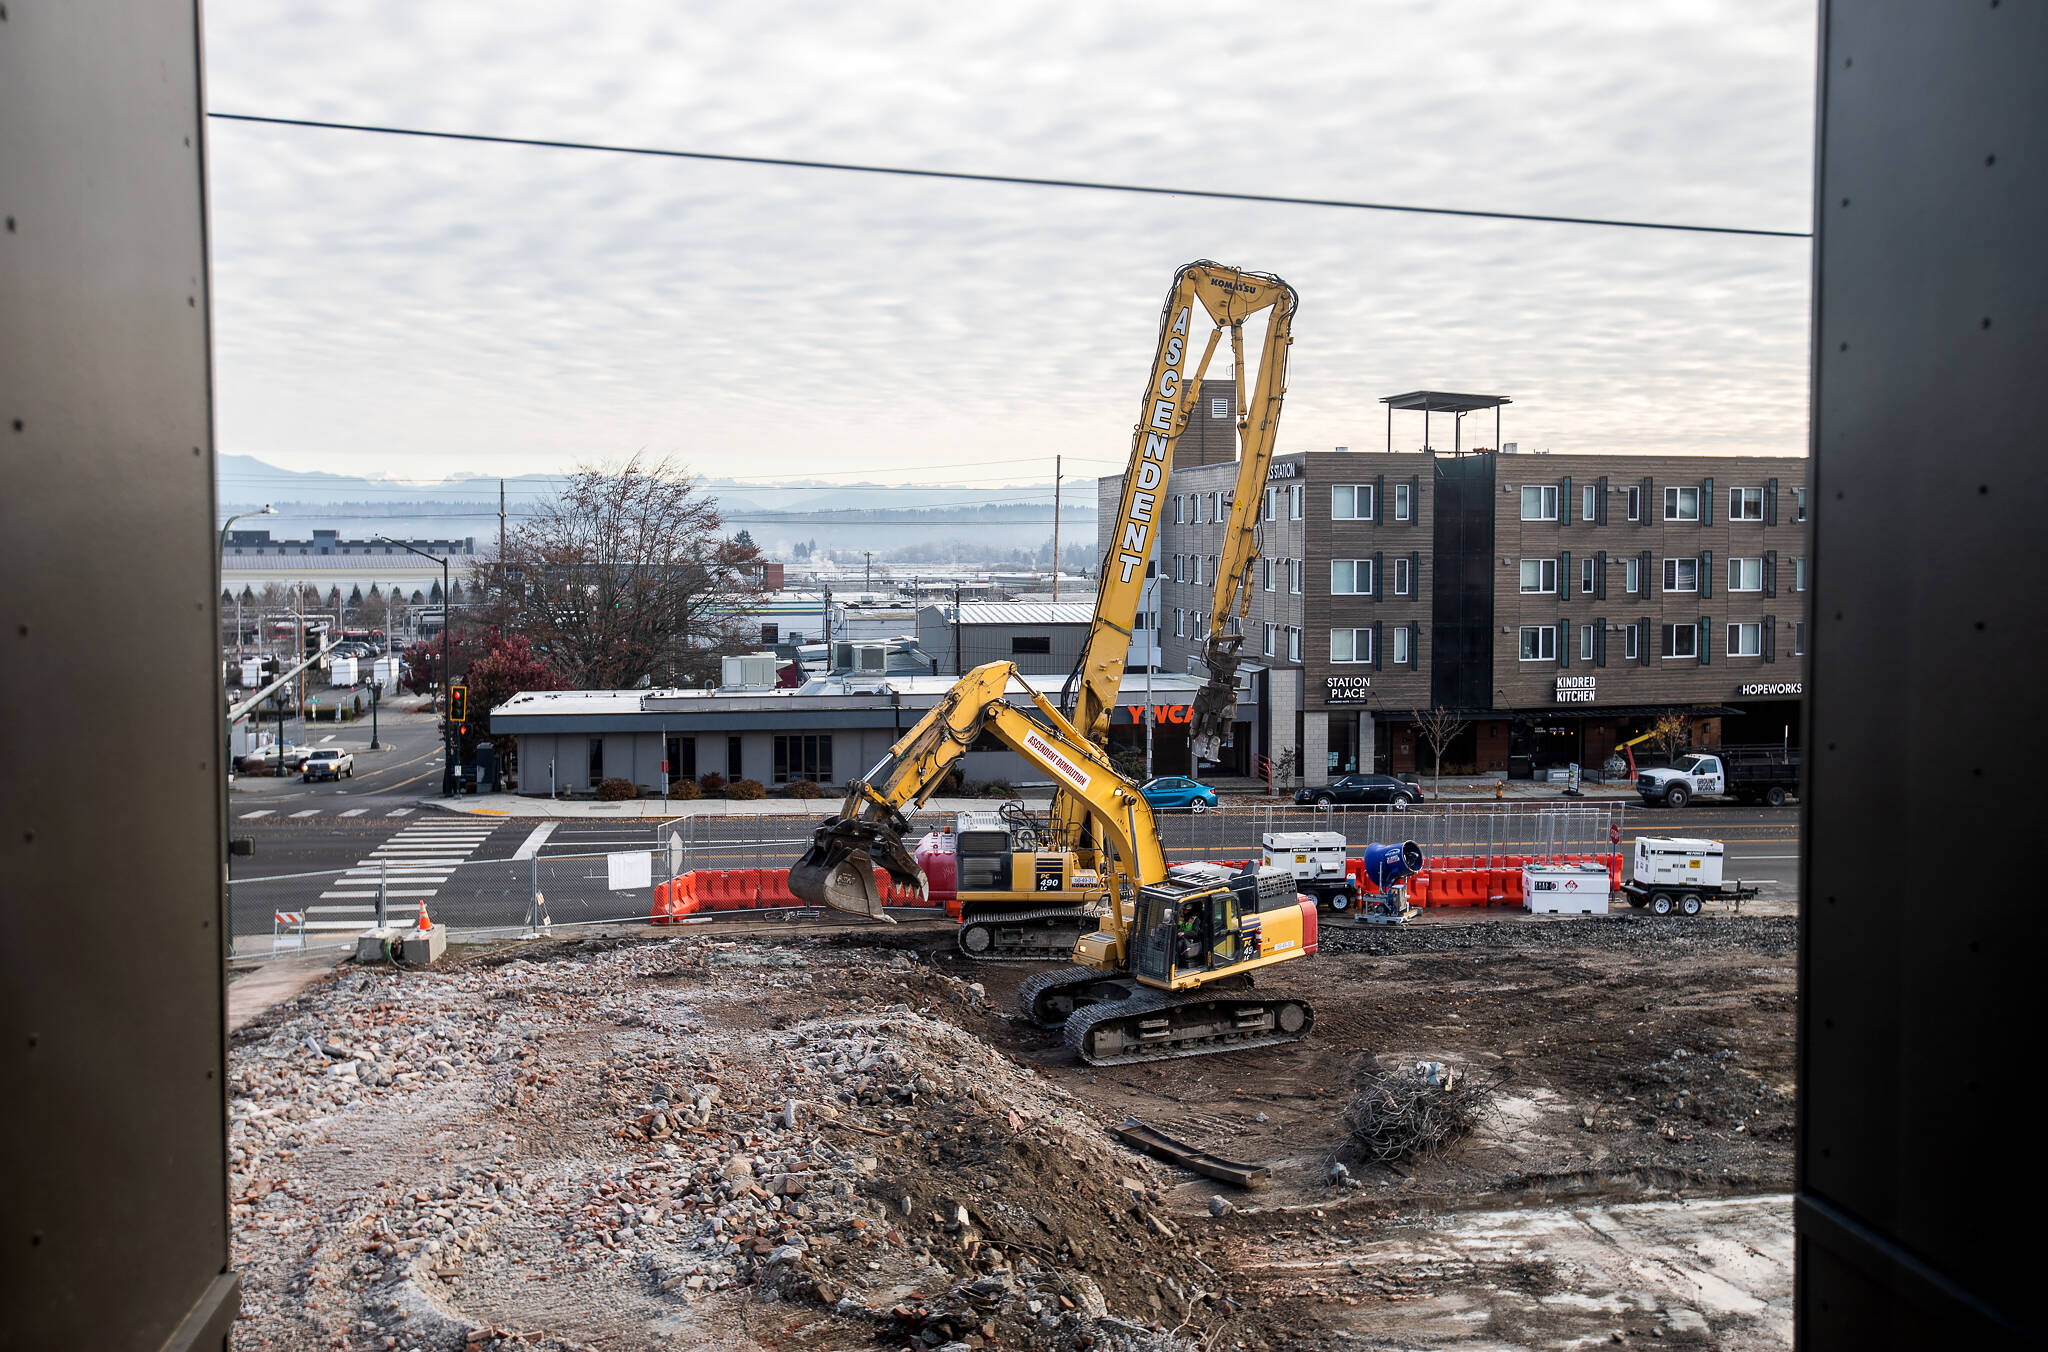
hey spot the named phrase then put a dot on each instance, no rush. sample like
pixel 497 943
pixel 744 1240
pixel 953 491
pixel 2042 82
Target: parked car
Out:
pixel 1173 792
pixel 1361 789
pixel 328 762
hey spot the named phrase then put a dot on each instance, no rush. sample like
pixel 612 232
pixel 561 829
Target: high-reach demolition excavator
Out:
pixel 1168 971
pixel 1028 890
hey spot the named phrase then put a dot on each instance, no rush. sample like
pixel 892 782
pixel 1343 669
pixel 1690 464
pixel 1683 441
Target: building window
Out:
pixel 1539 575
pixel 1272 496
pixel 1404 506
pixel 1180 622
pixel 1589 502
pixel 1632 575
pixel 1026 644
pixel 1681 575
pixel 1799 504
pixel 1267 566
pixel 803 755
pixel 1219 408
pixel 1628 643
pixel 1294 502
pixel 1539 502
pixel 1799 638
pixel 1180 510
pixel 1404 581
pixel 596 759
pixel 1745 575
pixel 1681 640
pixel 1539 643
pixel 1397 645
pixel 1350 502
pixel 1745 504
pixel 1268 649
pixel 1294 572
pixel 1745 640
pixel 770 635
pixel 1350 577
pixel 1681 504
pixel 1799 575
pixel 1588 575
pixel 735 758
pixel 1216 507
pixel 1585 643
pixel 1351 645
pixel 1293 644
pixel 681 753
pixel 1635 502
pixel 1212 570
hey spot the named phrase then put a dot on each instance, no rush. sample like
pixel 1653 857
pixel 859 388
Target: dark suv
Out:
pixel 1361 789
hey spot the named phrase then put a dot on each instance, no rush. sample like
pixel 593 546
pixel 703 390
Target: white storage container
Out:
pixel 1565 889
pixel 1677 861
pixel 342 671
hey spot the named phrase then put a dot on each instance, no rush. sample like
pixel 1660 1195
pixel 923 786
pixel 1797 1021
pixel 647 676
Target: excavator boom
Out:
pixel 868 831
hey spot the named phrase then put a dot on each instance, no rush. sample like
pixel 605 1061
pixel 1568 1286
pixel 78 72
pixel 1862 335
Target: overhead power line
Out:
pixel 1085 185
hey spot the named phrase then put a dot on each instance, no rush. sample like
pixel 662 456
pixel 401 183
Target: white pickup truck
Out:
pixel 1750 774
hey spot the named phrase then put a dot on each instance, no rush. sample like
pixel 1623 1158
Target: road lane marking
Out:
pixel 259 812
pixel 309 812
pixel 529 847
pixel 355 812
pixel 400 812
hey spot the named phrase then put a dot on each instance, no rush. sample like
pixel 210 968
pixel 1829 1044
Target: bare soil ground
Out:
pixel 837 1137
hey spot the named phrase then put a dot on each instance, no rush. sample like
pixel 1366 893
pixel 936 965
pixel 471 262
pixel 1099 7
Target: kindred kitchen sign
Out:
pixel 1575 689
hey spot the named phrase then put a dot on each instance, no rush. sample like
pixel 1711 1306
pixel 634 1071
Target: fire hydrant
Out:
pixel 1500 788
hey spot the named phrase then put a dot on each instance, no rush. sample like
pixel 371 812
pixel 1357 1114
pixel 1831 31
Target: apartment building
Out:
pixel 1558 603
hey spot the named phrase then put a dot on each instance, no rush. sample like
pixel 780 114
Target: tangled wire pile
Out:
pixel 1413 1111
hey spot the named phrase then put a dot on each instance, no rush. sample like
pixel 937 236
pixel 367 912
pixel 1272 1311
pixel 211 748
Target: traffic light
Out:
pixel 458 704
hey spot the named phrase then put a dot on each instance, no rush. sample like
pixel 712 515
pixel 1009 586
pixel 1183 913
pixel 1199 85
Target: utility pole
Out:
pixel 958 670
pixel 869 555
pixel 1151 594
pixel 501 535
pixel 1056 529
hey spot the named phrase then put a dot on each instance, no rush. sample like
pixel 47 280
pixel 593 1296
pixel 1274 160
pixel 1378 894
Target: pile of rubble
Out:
pixel 652 1142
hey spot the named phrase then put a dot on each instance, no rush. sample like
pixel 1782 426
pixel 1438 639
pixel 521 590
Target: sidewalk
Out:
pixel 1464 789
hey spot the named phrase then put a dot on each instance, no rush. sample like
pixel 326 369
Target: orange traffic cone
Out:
pixel 426 921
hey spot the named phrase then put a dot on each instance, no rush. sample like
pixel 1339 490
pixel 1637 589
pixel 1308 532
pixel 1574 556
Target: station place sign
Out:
pixel 1347 689
pixel 1575 689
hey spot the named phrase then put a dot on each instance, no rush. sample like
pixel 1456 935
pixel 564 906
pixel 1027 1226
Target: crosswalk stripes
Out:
pixel 411 866
pixel 309 812
pixel 259 812
pixel 400 812
pixel 355 812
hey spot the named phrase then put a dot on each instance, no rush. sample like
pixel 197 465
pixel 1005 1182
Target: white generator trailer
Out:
pixel 1678 874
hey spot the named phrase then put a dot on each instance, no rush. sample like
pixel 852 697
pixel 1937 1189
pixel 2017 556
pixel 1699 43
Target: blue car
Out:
pixel 1175 791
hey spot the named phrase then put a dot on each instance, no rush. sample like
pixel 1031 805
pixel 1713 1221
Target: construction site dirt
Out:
pixel 835 1136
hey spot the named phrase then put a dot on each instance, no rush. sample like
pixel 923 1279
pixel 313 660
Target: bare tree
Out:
pixel 1670 734
pixel 1439 727
pixel 624 578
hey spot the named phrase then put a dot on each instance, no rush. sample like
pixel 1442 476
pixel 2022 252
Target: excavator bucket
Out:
pixel 839 868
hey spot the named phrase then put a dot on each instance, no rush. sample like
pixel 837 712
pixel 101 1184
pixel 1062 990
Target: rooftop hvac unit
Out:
pixel 754 671
pixel 871 659
pixel 842 656
pixel 1510 447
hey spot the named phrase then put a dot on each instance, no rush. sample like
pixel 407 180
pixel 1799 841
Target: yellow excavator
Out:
pixel 1025 888
pixel 1168 970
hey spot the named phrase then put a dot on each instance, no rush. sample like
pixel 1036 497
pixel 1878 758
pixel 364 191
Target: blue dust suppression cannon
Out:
pixel 1386 866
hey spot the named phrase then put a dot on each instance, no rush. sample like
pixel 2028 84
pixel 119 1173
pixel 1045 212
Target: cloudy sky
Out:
pixel 397 306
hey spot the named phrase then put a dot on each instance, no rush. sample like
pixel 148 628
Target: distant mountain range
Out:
pixel 882 517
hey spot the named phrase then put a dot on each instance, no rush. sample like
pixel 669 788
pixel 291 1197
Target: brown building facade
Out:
pixel 1558 603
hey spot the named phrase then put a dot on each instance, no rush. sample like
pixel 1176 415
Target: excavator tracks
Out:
pixel 1157 1026
pixel 1045 935
pixel 1050 998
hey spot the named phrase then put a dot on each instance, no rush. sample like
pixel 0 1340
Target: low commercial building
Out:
pixel 828 731
pixel 1041 638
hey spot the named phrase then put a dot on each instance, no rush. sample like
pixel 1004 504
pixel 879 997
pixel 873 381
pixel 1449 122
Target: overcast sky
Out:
pixel 417 308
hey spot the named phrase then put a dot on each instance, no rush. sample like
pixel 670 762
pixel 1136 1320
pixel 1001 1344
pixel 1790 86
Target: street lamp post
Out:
pixel 376 688
pixel 447 666
pixel 227 730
